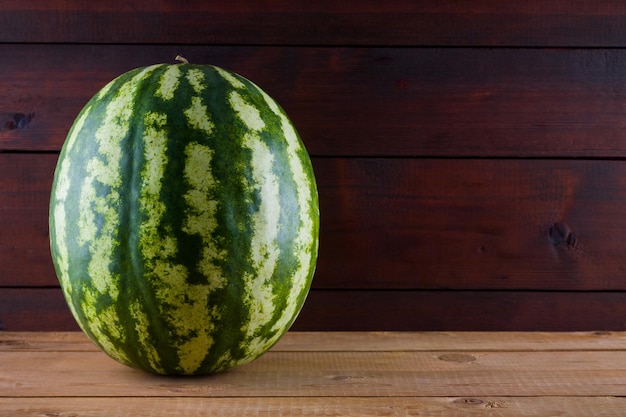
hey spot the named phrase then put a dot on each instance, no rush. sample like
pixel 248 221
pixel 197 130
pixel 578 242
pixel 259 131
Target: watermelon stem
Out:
pixel 182 59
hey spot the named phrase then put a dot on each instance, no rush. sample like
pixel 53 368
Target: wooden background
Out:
pixel 470 156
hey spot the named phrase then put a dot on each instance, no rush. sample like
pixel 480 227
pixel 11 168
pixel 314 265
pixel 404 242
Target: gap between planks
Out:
pixel 365 341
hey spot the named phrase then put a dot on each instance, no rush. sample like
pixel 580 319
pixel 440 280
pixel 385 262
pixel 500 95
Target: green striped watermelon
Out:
pixel 184 220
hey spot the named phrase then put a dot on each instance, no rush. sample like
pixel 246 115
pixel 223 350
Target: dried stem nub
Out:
pixel 182 59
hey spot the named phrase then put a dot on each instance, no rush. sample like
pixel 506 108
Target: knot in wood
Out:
pixel 457 357
pixel 469 401
pixel 17 120
pixel 560 233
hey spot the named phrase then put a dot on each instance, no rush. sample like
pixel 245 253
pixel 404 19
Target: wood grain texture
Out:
pixel 342 374
pixel 318 375
pixel 309 407
pixel 44 309
pixel 463 310
pixel 458 224
pixel 25 182
pixel 470 155
pixel 442 102
pixel 471 224
pixel 365 22
pixel 35 309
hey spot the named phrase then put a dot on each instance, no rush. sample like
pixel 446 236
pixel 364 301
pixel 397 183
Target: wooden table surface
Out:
pixel 331 374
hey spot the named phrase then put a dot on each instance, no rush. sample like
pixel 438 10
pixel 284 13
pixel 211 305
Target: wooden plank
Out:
pixel 471 224
pixel 25 181
pixel 365 22
pixel 340 406
pixel 359 101
pixel 322 374
pixel 462 310
pixel 38 341
pixel 387 341
pixel 44 309
pixel 406 223
pixel 35 309
pixel 320 363
pixel 442 379
pixel 303 341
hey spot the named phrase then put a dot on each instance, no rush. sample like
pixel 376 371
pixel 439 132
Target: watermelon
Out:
pixel 184 220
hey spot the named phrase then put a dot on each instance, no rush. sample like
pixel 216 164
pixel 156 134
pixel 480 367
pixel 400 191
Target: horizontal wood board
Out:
pixel 458 224
pixel 309 407
pixel 334 374
pixel 331 373
pixel 370 101
pixel 36 309
pixel 461 149
pixel 533 23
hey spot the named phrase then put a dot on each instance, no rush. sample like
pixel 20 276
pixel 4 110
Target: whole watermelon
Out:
pixel 184 220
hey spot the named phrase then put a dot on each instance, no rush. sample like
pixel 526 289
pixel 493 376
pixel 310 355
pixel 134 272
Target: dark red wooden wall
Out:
pixel 471 156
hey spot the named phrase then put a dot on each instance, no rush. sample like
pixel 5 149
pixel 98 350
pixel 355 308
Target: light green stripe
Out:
pixel 264 249
pixel 60 234
pixel 100 318
pixel 87 228
pixel 148 347
pixel 196 80
pixel 62 187
pixel 104 170
pixel 77 127
pixel 151 244
pixel 197 116
pixel 169 82
pixel 232 80
pixel 155 145
pixel 183 305
pixel 62 259
pixel 304 237
pixel 248 114
pixel 104 90
pixel 62 256
pixel 200 219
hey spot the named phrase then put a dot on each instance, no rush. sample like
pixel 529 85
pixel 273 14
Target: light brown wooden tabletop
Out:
pixel 331 374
